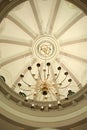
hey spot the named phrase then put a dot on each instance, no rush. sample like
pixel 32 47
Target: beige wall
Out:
pixel 5 125
pixel 81 127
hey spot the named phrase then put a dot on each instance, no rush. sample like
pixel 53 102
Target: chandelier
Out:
pixel 46 86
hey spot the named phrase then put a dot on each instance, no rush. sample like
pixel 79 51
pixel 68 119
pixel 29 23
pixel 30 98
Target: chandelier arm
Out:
pixel 24 89
pixel 29 94
pixel 45 67
pixel 39 74
pixel 65 86
pixel 44 74
pixel 58 75
pixel 63 79
pixel 37 88
pixel 38 94
pixel 53 94
pixel 35 95
pixel 33 76
pixel 56 87
pixel 48 73
pixel 26 83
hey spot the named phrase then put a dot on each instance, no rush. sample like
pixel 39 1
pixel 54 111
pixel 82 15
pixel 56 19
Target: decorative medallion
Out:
pixel 46 46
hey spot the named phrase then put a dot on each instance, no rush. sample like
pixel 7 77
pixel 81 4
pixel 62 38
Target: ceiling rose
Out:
pixel 46 46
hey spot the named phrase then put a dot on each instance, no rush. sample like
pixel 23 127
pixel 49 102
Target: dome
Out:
pixel 43 57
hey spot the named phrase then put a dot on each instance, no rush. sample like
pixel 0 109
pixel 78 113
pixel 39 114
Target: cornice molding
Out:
pixel 7 5
pixel 80 4
pixel 15 108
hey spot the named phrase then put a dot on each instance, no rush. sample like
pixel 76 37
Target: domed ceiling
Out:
pixel 43 49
